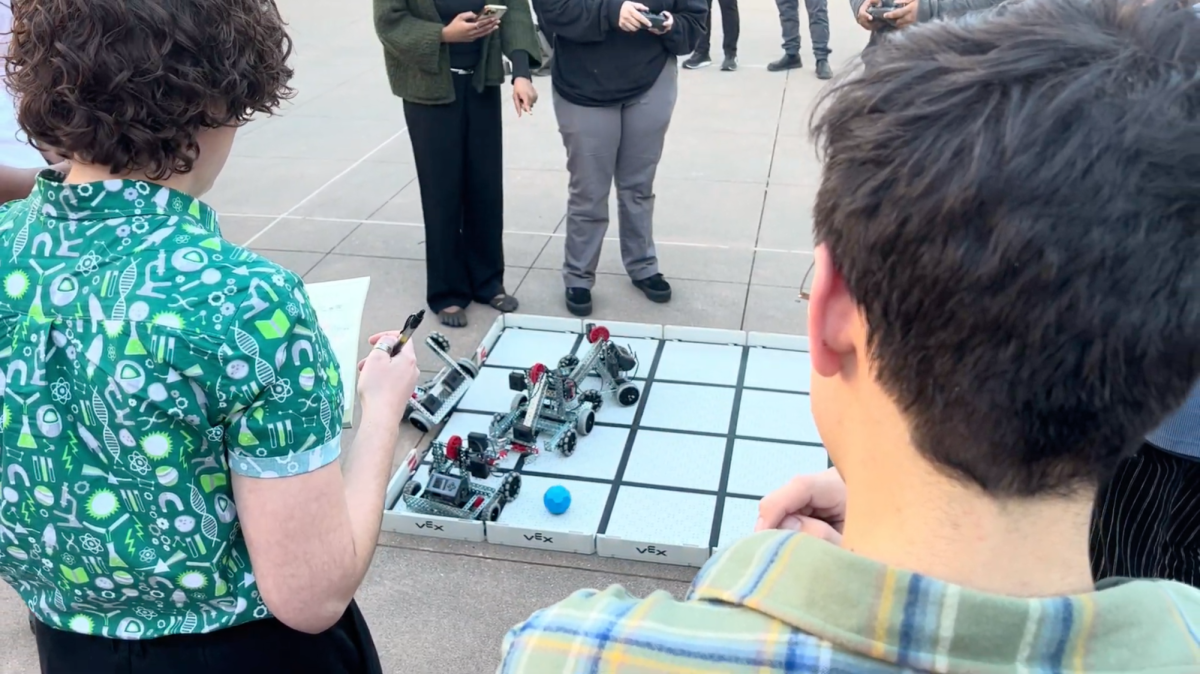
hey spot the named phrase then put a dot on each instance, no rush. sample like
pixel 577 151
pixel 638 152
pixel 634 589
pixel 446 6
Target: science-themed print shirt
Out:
pixel 142 359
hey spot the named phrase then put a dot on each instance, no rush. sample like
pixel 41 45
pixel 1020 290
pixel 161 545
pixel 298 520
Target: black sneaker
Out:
pixel 824 72
pixel 579 301
pixel 697 60
pixel 788 62
pixel 656 288
pixel 730 63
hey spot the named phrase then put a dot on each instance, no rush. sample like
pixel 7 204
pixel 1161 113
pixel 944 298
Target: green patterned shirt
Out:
pixel 143 358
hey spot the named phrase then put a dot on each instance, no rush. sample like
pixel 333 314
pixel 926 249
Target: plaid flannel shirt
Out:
pixel 786 602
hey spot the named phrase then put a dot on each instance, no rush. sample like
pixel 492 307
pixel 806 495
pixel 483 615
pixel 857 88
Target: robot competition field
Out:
pixel 723 418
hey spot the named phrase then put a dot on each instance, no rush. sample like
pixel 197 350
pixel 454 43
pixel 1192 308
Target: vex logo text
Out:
pixel 430 525
pixel 539 537
pixel 651 550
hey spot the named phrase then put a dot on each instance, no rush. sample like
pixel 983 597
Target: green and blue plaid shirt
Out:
pixel 786 602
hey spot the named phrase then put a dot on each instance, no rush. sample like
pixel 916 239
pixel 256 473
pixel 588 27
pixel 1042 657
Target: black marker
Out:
pixel 410 326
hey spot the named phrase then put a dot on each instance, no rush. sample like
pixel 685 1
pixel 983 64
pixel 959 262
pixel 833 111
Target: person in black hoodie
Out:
pixel 615 77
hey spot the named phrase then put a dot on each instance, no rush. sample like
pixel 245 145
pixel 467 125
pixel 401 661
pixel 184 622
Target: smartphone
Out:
pixel 657 21
pixel 492 12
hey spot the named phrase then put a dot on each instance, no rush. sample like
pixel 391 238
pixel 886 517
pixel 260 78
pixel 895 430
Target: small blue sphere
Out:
pixel 557 499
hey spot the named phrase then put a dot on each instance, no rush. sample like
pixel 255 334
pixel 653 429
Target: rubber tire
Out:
pixel 512 486
pixel 469 367
pixel 418 424
pixel 493 512
pixel 411 488
pixel 519 401
pixel 628 395
pixel 585 422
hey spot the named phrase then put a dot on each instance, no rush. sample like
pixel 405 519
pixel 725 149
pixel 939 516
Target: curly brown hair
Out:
pixel 128 84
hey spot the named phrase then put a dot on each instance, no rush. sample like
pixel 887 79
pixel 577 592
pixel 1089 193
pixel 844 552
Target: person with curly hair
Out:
pixel 445 58
pixel 171 498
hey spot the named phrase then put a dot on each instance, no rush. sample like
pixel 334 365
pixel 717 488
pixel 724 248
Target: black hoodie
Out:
pixel 596 63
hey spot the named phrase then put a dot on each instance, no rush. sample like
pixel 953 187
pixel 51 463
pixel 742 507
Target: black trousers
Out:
pixel 253 648
pixel 730 28
pixel 459 152
pixel 1147 520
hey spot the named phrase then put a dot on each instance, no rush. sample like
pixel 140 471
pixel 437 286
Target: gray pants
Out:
pixel 622 143
pixel 818 25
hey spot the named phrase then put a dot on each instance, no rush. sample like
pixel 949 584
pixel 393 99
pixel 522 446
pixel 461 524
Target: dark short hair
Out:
pixel 1013 200
pixel 128 84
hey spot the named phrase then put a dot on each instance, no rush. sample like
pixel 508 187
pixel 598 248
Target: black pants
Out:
pixel 459 151
pixel 253 648
pixel 730 27
pixel 1147 520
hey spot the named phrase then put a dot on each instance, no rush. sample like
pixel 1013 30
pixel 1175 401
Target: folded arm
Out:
pixel 407 37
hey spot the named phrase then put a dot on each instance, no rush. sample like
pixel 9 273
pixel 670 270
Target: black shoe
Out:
pixel 730 63
pixel 824 72
pixel 698 60
pixel 788 62
pixel 579 301
pixel 656 288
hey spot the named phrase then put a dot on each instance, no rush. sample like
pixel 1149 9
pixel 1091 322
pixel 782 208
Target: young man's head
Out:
pixel 1008 234
pixel 146 88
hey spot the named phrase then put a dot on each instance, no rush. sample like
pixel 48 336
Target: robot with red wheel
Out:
pixel 450 491
pixel 548 405
pixel 609 361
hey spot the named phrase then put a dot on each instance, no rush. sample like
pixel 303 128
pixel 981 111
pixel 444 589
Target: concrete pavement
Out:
pixel 328 189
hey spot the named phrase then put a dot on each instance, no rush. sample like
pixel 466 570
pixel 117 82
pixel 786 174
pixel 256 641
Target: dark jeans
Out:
pixel 459 152
pixel 1147 519
pixel 818 25
pixel 253 648
pixel 730 27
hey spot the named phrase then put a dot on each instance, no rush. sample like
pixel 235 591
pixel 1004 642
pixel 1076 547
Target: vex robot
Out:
pixel 452 491
pixel 609 361
pixel 433 400
pixel 549 404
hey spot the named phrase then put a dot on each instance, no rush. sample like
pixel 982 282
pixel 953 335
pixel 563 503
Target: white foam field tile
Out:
pixel 549 323
pixel 699 363
pixel 489 392
pixel 776 416
pixel 676 460
pixel 759 468
pixel 704 409
pixel 779 370
pixel 661 516
pixel 528 510
pixel 597 455
pixel 737 521
pixel 621 329
pixel 519 348
pixel 705 335
pixel 773 340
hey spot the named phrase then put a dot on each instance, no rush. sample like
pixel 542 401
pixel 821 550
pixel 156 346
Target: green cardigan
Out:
pixel 418 62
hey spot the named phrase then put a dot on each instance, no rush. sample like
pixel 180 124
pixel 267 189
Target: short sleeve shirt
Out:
pixel 142 359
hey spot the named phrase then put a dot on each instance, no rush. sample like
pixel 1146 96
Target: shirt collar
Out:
pixel 119 202
pixel 915 621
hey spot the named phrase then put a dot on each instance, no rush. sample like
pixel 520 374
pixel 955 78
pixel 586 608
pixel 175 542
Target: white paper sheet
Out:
pixel 339 306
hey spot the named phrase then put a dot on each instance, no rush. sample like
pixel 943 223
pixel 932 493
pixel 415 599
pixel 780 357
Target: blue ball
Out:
pixel 557 499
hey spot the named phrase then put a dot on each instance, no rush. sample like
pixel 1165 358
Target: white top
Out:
pixel 15 150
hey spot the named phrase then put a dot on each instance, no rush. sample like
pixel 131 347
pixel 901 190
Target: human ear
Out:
pixel 832 314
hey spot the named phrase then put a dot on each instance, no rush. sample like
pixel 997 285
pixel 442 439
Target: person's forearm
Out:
pixel 365 473
pixel 16 183
pixel 520 65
